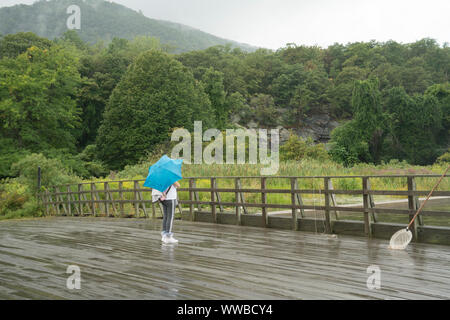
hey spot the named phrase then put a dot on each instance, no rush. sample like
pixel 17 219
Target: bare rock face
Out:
pixel 284 134
pixel 318 127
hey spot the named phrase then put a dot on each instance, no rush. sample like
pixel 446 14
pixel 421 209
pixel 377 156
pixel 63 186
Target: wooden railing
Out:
pixel 110 199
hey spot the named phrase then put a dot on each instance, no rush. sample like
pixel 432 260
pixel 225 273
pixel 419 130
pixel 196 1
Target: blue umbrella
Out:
pixel 163 173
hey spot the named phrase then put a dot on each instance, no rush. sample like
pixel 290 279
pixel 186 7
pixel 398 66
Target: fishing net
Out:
pixel 400 239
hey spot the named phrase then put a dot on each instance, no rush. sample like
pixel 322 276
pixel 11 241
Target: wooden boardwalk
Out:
pixel 124 259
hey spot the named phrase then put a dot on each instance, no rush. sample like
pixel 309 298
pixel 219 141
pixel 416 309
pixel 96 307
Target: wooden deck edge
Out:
pixel 427 234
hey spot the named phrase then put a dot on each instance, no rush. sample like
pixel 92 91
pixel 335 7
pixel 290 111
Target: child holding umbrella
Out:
pixel 168 200
pixel 163 178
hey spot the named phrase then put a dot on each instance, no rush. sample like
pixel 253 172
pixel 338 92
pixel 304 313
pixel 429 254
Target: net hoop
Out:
pixel 400 239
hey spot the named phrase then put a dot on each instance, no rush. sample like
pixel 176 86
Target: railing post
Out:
pixel 153 211
pixel 293 202
pixel 74 200
pixel 106 192
pixel 113 203
pixel 219 200
pixel 333 200
pixel 60 200
pixel 327 204
pixel 299 199
pixel 94 213
pixel 191 198
pixel 213 193
pixel 372 203
pixel 47 203
pixel 161 209
pixel 58 212
pixel 136 203
pixel 54 203
pixel 241 197
pixel 237 197
pixel 80 198
pixel 64 203
pixel 417 205
pixel 180 208
pixel 142 201
pixel 39 179
pixel 264 201
pixel 121 205
pixel 367 224
pixel 197 197
pixel 69 198
pixel 412 205
pixel 39 196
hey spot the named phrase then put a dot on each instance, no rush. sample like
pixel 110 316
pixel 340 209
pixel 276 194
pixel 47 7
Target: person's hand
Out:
pixel 176 184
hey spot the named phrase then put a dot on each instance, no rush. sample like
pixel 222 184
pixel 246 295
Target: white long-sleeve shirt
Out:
pixel 171 195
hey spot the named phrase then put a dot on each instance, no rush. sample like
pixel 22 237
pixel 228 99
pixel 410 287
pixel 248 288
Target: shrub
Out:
pixel 53 172
pixel 297 148
pixel 17 201
pixel 347 147
pixel 445 158
pixel 83 165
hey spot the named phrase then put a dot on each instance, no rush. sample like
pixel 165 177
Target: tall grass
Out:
pixel 304 168
pixel 308 168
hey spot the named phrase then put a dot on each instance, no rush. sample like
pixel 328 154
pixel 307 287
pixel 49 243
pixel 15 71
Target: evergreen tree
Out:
pixel 38 109
pixel 155 95
pixel 213 86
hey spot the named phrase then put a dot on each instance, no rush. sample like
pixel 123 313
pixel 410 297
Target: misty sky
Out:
pixel 273 23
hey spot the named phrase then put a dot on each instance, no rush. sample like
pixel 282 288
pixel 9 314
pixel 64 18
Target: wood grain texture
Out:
pixel 124 259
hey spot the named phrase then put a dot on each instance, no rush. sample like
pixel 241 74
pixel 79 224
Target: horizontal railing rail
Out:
pixel 278 177
pixel 111 198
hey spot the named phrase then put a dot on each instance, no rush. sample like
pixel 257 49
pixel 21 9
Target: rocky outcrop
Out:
pixel 317 126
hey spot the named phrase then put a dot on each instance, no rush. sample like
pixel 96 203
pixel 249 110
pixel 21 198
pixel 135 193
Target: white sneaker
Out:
pixel 171 239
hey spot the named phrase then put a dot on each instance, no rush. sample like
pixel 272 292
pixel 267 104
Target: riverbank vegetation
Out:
pixel 84 112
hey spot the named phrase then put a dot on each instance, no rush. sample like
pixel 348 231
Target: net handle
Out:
pixel 428 197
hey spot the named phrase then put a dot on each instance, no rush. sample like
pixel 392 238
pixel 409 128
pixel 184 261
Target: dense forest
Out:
pixel 102 21
pixel 98 107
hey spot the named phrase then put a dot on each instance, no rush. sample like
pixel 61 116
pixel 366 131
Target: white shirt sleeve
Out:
pixel 171 195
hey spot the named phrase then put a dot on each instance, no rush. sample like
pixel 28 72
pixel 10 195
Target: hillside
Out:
pixel 102 20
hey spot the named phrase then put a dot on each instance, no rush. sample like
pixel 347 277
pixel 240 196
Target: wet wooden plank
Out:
pixel 124 259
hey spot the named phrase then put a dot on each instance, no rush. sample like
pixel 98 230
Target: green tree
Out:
pixel 283 87
pixel 340 93
pixel 53 172
pixel 239 108
pixel 262 67
pixel 263 106
pixel 213 85
pixel 311 95
pixel 14 44
pixel 38 109
pixel 442 93
pixel 414 76
pixel 223 59
pixel 414 124
pixel 102 69
pixel 334 57
pixel 347 146
pixel 297 148
pixel 156 94
pixel 361 139
pixel 72 37
pixel 368 115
